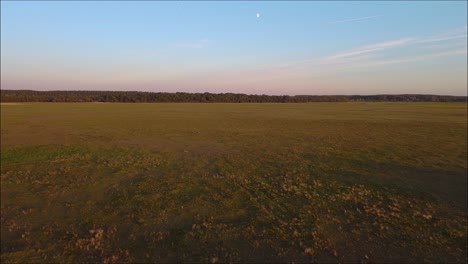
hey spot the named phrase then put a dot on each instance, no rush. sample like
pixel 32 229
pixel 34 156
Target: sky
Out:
pixel 276 48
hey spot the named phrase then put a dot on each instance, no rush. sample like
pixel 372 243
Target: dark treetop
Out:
pixel 149 97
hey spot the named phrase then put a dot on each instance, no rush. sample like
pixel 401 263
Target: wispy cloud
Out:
pixel 371 48
pixel 448 36
pixel 354 19
pixel 194 44
pixel 421 57
pixel 407 50
pixel 412 49
pixel 437 39
pixel 457 33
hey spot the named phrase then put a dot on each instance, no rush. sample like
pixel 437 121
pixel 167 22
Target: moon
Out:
pixel 258 15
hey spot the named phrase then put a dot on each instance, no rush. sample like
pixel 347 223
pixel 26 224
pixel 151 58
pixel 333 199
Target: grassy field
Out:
pixel 320 182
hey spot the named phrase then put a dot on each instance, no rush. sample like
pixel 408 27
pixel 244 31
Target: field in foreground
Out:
pixel 323 182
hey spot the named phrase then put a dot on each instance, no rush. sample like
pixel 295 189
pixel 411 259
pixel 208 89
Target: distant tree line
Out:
pixel 149 97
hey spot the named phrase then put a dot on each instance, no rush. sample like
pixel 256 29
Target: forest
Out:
pixel 182 97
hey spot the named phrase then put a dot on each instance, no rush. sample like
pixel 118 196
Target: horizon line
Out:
pixel 135 91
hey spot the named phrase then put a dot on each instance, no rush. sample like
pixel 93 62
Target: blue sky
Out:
pixel 291 48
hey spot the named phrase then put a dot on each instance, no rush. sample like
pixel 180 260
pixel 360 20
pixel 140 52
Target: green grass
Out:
pixel 323 182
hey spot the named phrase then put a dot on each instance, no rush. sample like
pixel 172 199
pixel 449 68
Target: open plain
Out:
pixel 176 182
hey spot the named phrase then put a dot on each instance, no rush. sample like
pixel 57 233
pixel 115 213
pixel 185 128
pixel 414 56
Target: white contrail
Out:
pixel 354 19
